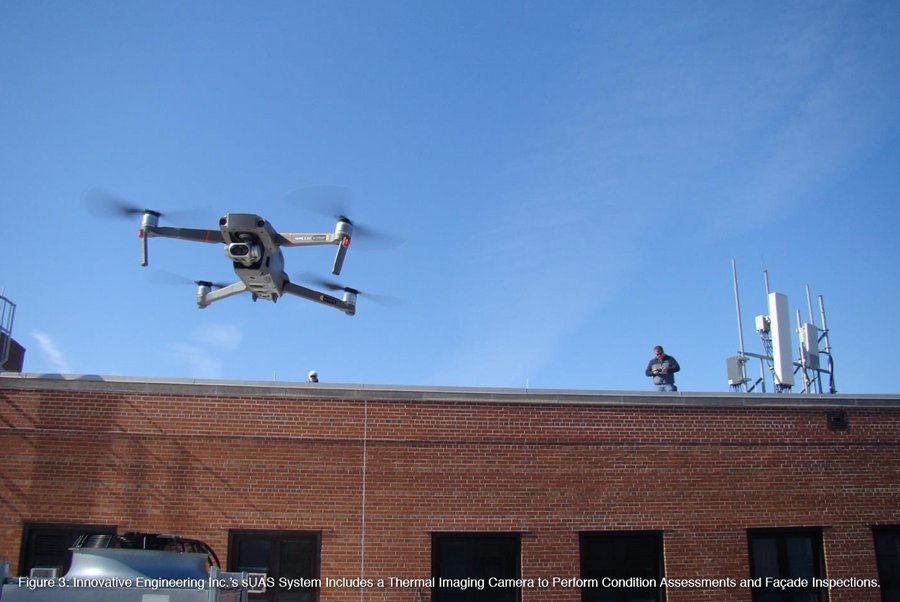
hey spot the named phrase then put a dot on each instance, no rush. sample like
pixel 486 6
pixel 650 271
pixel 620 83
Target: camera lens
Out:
pixel 239 250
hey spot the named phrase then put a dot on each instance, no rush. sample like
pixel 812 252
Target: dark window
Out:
pixel 786 554
pixel 46 545
pixel 887 552
pixel 473 558
pixel 631 560
pixel 275 555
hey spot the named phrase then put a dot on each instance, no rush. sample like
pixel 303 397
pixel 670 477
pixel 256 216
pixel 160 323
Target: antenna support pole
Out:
pixel 827 345
pixel 737 304
pixel 812 317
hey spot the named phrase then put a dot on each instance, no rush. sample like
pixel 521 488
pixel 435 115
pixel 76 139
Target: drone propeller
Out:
pixel 212 285
pixel 105 205
pixel 334 286
pixel 324 199
pixel 165 277
pixel 337 202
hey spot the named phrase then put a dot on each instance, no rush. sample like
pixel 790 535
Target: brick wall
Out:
pixel 200 460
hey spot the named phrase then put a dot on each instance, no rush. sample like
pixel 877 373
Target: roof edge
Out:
pixel 304 390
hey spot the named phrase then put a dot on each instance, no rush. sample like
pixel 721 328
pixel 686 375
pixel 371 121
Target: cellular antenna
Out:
pixel 774 330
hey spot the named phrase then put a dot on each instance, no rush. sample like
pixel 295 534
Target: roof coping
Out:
pixel 306 390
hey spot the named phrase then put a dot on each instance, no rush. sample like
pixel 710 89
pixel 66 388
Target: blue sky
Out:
pixel 572 180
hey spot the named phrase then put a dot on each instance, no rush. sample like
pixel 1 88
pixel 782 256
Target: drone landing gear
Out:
pixel 150 221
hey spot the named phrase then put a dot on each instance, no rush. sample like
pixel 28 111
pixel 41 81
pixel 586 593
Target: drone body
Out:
pixel 254 247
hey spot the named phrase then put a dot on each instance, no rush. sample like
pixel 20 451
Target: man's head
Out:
pixel 313 376
pixel 658 351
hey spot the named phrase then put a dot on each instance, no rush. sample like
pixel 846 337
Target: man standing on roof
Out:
pixel 663 368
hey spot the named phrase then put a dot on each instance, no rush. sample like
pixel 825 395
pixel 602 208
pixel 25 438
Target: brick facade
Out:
pixel 200 459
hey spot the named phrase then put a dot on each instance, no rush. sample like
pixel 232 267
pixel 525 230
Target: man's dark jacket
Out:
pixel 659 362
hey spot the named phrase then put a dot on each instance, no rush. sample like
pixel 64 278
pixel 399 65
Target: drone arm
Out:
pixel 341 237
pixel 346 305
pixel 150 229
pixel 304 239
pixel 205 298
pixel 196 235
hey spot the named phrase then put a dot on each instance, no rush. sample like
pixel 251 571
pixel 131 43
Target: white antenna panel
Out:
pixel 809 345
pixel 780 326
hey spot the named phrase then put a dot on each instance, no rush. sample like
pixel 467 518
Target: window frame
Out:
pixel 658 538
pixel 26 554
pixel 894 580
pixel 515 539
pixel 781 534
pixel 276 536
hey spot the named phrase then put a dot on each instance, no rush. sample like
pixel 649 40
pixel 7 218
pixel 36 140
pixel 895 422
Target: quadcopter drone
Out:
pixel 253 246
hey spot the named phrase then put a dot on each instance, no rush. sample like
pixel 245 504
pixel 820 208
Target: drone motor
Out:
pixel 203 289
pixel 149 222
pixel 342 233
pixel 350 296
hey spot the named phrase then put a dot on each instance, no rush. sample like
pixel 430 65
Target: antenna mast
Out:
pixel 775 333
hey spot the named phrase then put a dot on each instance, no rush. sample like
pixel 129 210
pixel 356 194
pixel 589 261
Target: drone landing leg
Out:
pixel 311 295
pixel 144 261
pixel 203 300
